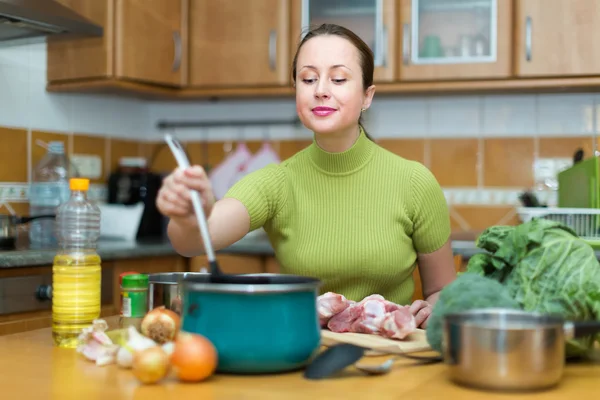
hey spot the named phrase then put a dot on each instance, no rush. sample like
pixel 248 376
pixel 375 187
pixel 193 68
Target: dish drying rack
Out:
pixel 585 222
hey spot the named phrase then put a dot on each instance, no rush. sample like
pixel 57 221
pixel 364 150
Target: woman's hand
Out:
pixel 421 310
pixel 174 200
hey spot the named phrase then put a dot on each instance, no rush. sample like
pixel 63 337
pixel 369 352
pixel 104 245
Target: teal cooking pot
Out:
pixel 258 328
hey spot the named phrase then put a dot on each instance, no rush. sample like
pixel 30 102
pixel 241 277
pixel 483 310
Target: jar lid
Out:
pixel 126 273
pixel 135 281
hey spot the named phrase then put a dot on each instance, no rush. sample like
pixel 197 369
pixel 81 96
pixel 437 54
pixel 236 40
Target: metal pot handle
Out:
pixel 578 329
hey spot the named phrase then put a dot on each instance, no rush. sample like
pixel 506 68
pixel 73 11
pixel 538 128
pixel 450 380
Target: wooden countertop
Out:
pixel 31 368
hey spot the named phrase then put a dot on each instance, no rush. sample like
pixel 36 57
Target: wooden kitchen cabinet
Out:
pixel 239 43
pixel 34 313
pixel 455 39
pixel 373 20
pixel 144 41
pixel 557 38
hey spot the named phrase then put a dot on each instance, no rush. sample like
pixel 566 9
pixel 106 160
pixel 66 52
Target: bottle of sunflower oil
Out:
pixel 76 271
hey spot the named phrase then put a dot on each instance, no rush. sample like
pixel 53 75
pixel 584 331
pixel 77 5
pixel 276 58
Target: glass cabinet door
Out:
pixel 363 17
pixel 451 32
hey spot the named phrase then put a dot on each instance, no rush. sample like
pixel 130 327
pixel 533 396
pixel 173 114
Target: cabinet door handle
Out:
pixel 273 50
pixel 406 44
pixel 380 32
pixel 177 52
pixel 528 38
pixel 384 46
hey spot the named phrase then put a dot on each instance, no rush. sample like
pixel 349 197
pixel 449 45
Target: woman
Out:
pixel 344 209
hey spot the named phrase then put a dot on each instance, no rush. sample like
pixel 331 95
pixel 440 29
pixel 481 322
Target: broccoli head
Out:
pixel 468 291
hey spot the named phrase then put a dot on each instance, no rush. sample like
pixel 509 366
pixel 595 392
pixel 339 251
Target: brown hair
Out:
pixel 365 53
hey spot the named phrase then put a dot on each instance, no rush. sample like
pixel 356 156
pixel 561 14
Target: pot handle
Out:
pixel 578 329
pixel 24 220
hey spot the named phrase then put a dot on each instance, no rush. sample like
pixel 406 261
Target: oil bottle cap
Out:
pixel 79 184
pixel 135 281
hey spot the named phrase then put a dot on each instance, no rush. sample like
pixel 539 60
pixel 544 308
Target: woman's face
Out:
pixel 329 88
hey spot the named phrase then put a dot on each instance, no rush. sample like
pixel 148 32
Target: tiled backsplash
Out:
pixel 481 148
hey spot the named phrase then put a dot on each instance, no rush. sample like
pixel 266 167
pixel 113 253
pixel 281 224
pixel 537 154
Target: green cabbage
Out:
pixel 546 268
pixel 467 292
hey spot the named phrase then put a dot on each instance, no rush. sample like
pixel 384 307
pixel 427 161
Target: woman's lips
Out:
pixel 323 111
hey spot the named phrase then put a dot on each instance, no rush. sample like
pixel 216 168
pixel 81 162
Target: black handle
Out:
pixel 585 328
pixel 24 220
pixel 44 292
pixel 214 268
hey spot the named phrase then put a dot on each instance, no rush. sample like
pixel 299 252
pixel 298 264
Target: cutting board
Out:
pixel 415 342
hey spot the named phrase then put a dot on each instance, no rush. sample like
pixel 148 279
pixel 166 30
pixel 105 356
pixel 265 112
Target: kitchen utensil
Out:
pixel 386 366
pixel 256 328
pixel 503 349
pixel 341 356
pixel 578 156
pixel 165 289
pixel 216 275
pixel 9 225
pixel 415 342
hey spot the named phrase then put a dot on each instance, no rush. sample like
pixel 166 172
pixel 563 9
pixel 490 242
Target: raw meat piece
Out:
pixel 374 315
pixel 330 304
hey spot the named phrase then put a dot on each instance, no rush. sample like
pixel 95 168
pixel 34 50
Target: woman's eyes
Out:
pixel 309 81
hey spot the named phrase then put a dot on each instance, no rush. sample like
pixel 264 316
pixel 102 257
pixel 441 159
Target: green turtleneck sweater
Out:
pixel 356 219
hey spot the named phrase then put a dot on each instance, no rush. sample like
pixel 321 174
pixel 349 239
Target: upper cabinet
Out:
pixel 150 41
pixel 211 48
pixel 374 21
pixel 144 41
pixel 455 39
pixel 237 43
pixel 557 37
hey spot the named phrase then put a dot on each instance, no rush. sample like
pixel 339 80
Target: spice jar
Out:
pixel 134 300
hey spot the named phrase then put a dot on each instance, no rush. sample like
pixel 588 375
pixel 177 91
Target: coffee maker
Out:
pixel 132 183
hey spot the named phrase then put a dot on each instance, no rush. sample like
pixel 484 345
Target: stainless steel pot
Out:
pixel 503 349
pixel 165 289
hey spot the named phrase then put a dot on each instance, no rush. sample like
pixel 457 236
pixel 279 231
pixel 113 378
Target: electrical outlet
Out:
pixel 88 166
pixel 545 170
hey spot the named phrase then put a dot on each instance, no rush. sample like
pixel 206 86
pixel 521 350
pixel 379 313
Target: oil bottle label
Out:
pixel 134 304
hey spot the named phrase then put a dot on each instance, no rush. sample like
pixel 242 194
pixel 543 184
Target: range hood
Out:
pixel 26 19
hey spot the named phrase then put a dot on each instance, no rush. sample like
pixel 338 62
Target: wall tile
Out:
pixel 564 146
pixel 14 96
pixel 38 152
pixel 566 114
pixel 13 155
pixel 393 118
pixel 122 148
pixel 18 208
pixel 506 116
pixel 91 145
pixel 49 111
pixel 453 117
pixel 411 149
pixel 454 161
pixel 477 218
pixel 508 162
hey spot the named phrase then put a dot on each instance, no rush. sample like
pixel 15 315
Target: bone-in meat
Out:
pixel 330 304
pixel 372 315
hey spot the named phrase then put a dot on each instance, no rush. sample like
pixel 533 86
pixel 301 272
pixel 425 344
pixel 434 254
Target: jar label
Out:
pixel 134 305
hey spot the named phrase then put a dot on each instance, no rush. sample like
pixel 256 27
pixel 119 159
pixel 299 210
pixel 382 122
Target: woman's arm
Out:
pixel 436 270
pixel 229 222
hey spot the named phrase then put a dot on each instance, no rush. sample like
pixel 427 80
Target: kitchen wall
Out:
pixel 481 148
